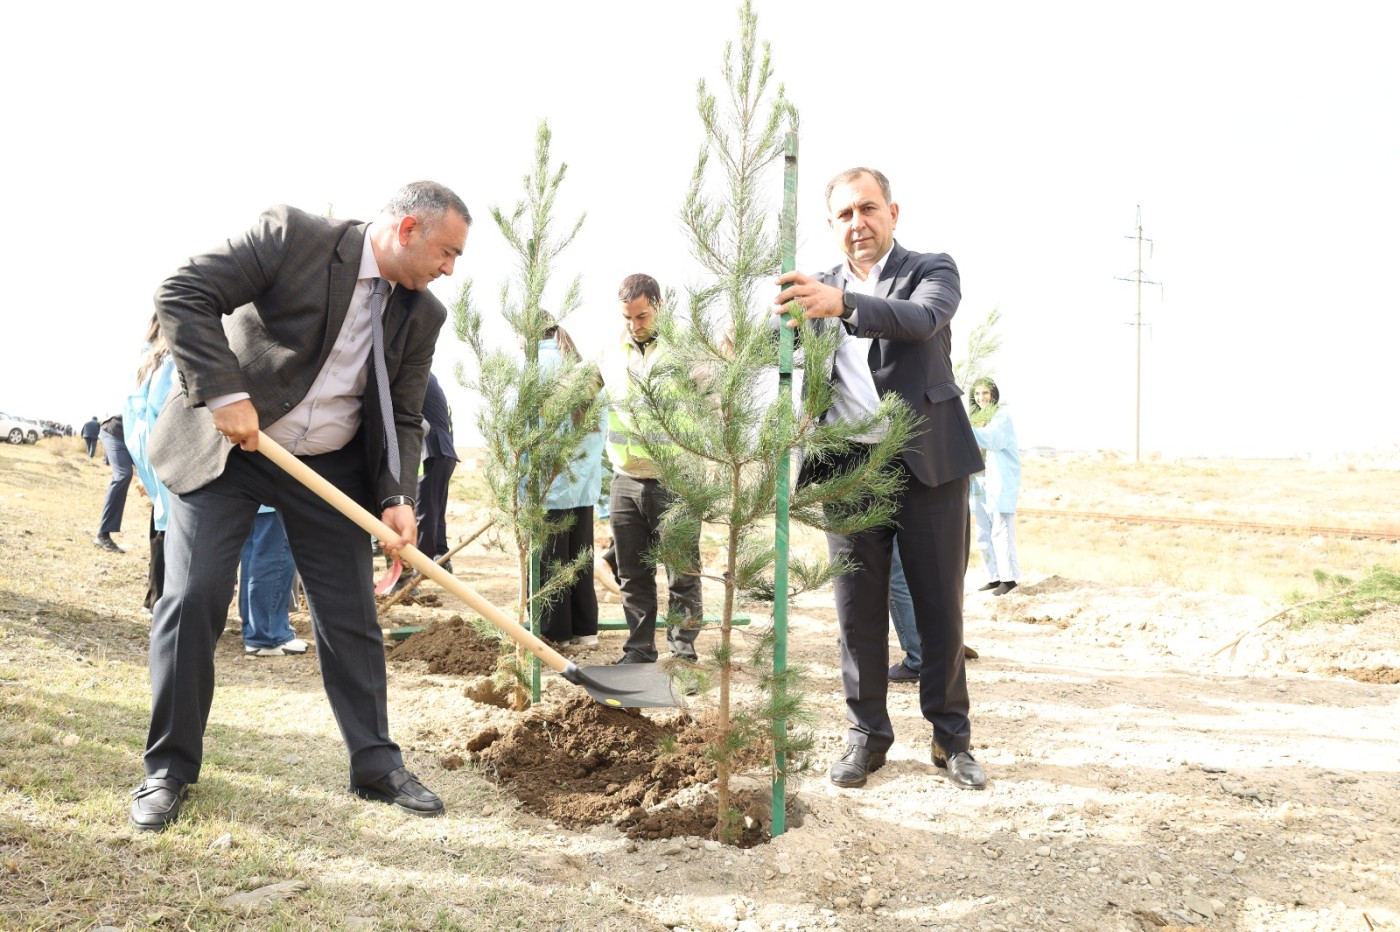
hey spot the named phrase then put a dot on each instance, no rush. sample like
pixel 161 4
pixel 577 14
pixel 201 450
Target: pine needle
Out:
pixel 1342 600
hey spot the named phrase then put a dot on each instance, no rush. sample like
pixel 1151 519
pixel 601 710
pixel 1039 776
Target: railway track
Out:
pixel 1304 530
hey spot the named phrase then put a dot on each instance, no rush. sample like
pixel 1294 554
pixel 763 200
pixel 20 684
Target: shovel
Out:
pixel 642 685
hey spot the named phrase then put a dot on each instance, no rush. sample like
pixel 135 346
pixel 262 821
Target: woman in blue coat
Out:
pixel 154 380
pixel 993 493
pixel 573 617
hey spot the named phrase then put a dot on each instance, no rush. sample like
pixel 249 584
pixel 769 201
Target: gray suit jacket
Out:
pixel 909 318
pixel 260 314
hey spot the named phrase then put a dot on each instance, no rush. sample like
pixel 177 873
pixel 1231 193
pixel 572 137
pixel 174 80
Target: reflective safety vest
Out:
pixel 627 446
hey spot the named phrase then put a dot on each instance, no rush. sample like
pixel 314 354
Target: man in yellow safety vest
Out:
pixel 638 500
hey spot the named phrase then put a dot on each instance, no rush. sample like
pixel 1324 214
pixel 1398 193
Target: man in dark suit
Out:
pixel 895 308
pixel 439 462
pixel 89 434
pixel 275 329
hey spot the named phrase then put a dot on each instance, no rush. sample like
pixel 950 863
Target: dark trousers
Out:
pixel 115 503
pixel 635 508
pixel 155 569
pixel 432 504
pixel 575 612
pixel 203 541
pixel 91 445
pixel 934 537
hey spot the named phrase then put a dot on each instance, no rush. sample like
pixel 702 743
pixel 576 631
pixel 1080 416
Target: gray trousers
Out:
pixel 635 508
pixel 114 505
pixel 934 536
pixel 202 546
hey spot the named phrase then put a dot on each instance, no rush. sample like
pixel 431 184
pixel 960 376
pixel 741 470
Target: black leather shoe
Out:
pixel 989 586
pixel 401 788
pixel 1005 587
pixel 963 772
pixel 106 543
pixel 631 657
pixel 899 673
pixel 855 765
pixel 157 803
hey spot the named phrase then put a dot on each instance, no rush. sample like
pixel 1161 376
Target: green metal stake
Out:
pixel 535 612
pixel 532 358
pixel 788 236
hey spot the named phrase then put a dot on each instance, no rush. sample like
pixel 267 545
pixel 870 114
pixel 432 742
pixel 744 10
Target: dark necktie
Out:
pixel 381 376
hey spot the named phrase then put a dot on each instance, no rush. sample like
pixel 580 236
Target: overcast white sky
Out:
pixel 1258 138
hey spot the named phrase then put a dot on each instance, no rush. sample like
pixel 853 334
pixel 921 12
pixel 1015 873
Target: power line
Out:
pixel 1137 276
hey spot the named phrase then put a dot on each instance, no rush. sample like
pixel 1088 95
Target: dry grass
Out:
pixel 1293 493
pixel 74 701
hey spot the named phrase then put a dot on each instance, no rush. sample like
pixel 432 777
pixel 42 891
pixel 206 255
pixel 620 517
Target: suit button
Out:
pixel 286 406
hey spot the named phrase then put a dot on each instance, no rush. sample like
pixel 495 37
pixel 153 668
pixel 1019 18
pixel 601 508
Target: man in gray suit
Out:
pixel 273 329
pixel 895 308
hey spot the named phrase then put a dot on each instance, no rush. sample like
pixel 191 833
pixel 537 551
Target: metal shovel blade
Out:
pixel 625 686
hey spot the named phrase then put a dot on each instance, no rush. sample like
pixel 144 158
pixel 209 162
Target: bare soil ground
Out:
pixel 1140 776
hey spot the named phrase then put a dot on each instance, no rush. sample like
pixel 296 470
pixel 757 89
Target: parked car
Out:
pixel 18 429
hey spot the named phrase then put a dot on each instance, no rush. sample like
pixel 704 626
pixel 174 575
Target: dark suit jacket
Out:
pixel 908 317
pixel 260 314
pixel 439 418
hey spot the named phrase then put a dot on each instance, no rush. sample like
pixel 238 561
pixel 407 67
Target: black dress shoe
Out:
pixel 106 543
pixel 899 673
pixel 855 765
pixel 1005 587
pixel 963 772
pixel 401 788
pixel 989 586
pixel 631 657
pixel 157 803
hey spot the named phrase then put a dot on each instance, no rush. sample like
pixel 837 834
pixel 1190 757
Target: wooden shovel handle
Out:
pixel 410 554
pixel 403 593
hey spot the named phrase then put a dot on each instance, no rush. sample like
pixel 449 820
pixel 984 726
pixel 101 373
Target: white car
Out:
pixel 19 430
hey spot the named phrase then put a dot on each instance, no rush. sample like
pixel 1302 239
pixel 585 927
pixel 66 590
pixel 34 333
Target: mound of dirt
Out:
pixel 452 647
pixel 581 764
pixel 1388 676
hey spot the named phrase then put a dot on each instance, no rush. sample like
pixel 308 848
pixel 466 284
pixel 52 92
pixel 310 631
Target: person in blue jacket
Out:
pixel 154 379
pixel 573 617
pixel 266 575
pixel 993 494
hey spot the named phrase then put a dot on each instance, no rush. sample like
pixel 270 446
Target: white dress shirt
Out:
pixel 854 394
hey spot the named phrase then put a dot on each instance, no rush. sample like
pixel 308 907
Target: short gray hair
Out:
pixel 851 174
pixel 427 201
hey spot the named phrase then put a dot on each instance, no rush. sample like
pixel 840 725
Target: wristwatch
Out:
pixel 393 500
pixel 849 300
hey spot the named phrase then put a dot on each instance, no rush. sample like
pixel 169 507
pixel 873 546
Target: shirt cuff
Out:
pixel 219 401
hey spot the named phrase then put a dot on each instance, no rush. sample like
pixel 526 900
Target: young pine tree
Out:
pixel 713 399
pixel 534 418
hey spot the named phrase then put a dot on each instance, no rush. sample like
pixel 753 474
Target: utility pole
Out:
pixel 1137 323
